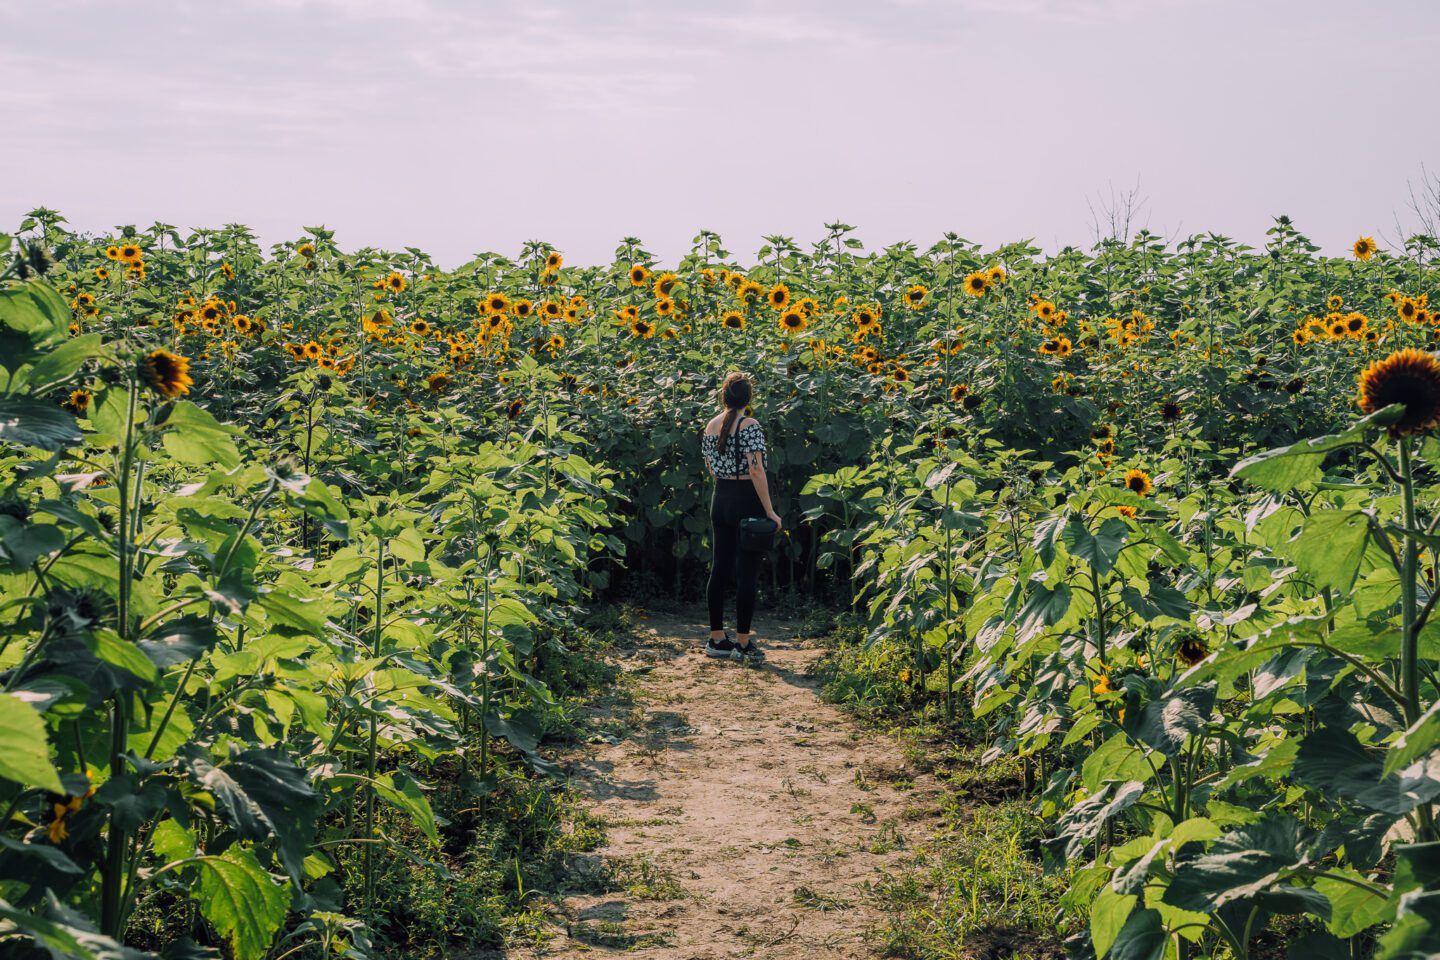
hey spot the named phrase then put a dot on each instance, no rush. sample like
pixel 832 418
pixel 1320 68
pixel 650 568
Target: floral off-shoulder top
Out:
pixel 735 462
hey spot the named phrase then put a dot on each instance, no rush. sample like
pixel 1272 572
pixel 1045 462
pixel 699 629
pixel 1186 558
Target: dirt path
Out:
pixel 744 817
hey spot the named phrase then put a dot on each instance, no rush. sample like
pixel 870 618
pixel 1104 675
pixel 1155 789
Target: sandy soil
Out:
pixel 744 817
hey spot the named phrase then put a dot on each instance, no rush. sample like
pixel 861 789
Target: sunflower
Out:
pixel 733 320
pixel 915 296
pixel 1170 410
pixel 642 328
pixel 1299 336
pixel 664 284
pixel 419 327
pixel 899 374
pixel 668 333
pixel 112 252
pixel 1355 325
pixel 638 275
pixel 749 291
pixel 1044 309
pixel 437 382
pixel 79 400
pixel 497 302
pixel 1409 377
pixel 996 275
pixel 553 261
pixel 228 271
pixel 102 274
pixel 1364 248
pixel 664 306
pixel 295 350
pixel 1126 512
pixel 305 250
pixel 959 392
pixel 514 408
pixel 1191 650
pixel 707 276
pixel 1407 309
pixel 793 321
pixel 977 283
pixel 1138 482
pixel 130 253
pixel 1334 302
pixel 168 374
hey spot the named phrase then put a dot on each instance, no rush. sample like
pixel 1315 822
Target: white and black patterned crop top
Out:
pixel 735 462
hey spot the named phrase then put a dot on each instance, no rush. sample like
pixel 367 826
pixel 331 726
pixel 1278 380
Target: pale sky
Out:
pixel 459 126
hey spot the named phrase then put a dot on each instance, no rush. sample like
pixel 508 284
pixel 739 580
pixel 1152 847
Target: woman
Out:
pixel 733 447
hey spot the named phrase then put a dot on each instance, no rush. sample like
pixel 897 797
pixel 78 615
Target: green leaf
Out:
pixel 1043 607
pixel 27 422
pixel 109 648
pixel 242 901
pixel 26 757
pixel 61 362
pixel 1242 863
pixel 1115 759
pixel 1330 547
pixel 405 794
pixel 1352 907
pixel 1099 549
pixel 1168 723
pixel 1284 468
pixel 1334 762
pixel 179 641
pixel 1108 913
pixel 194 436
pixel 1422 737
pixel 1142 938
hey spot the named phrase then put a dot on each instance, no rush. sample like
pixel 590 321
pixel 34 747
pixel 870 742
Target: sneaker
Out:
pixel 749 652
pixel 722 649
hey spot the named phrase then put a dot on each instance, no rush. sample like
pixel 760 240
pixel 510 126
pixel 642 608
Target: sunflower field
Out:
pixel 297 544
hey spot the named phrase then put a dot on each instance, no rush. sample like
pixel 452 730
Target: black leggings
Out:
pixel 734 500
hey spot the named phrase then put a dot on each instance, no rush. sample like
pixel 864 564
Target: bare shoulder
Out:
pixel 713 427
pixel 747 422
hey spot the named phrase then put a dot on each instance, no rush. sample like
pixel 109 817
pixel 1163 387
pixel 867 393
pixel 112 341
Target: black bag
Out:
pixel 757 534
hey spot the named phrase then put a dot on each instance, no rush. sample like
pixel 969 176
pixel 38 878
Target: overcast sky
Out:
pixel 460 126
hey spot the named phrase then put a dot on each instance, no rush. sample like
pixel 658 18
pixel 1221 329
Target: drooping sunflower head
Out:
pixel 168 374
pixel 1191 649
pixel 1170 410
pixel 1138 482
pixel 1364 248
pixel 664 285
pixel 977 283
pixel 306 250
pixel 1409 377
pixel 514 408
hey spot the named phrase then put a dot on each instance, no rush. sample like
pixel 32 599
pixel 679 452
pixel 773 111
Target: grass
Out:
pixel 975 889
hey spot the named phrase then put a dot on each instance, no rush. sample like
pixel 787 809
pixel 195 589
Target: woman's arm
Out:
pixel 762 487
